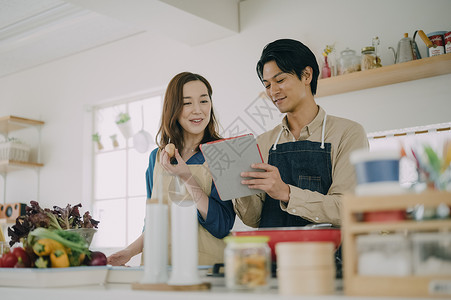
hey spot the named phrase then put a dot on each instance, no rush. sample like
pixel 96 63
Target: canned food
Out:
pixel 247 262
pixel 439 44
pixel 448 42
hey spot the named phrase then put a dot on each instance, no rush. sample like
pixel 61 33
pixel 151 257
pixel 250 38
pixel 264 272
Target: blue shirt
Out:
pixel 220 216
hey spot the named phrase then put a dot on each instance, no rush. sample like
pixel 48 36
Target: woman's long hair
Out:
pixel 170 130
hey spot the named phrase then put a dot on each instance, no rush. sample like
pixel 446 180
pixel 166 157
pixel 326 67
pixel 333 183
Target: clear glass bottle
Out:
pixel 368 58
pixel 349 62
pixel 247 262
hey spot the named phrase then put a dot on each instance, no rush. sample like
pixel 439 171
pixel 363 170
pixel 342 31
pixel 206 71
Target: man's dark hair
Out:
pixel 292 57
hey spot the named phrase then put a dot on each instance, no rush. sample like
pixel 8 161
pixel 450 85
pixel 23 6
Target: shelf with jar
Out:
pixel 14 155
pixel 396 257
pixel 391 74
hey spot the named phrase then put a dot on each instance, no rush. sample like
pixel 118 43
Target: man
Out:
pixel 307 167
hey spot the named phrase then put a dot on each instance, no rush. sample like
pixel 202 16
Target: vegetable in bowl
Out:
pixel 56 219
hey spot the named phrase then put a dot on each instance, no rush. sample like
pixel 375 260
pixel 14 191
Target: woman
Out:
pixel 187 121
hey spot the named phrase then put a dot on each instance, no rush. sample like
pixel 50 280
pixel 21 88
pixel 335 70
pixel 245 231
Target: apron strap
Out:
pixel 277 139
pixel 323 130
pixel 274 147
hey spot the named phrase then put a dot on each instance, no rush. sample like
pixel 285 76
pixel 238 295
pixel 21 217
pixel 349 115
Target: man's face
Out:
pixel 285 90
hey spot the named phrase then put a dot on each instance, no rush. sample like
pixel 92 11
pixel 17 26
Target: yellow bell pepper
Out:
pixel 44 247
pixel 59 259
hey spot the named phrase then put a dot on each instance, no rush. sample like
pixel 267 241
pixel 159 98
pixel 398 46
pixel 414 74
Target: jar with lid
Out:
pixel 368 58
pixel 247 262
pixel 349 62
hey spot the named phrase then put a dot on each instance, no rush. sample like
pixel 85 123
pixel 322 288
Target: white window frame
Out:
pixel 128 147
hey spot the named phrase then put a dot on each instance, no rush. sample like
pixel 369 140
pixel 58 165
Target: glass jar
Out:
pixel 349 62
pixel 247 262
pixel 368 58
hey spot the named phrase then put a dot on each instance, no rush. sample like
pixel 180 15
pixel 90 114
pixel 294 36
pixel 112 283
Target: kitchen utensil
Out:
pixel 425 39
pixel 404 51
pixel 295 234
pixel 142 140
pixel 416 51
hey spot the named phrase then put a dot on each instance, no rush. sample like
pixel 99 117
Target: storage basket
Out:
pixel 14 151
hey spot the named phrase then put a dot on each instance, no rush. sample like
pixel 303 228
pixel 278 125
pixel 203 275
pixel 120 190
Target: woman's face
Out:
pixel 195 115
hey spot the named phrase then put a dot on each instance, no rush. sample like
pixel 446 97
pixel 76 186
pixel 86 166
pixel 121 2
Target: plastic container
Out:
pixel 377 172
pixel 349 62
pixel 431 253
pixel 247 262
pixel 14 151
pixel 384 255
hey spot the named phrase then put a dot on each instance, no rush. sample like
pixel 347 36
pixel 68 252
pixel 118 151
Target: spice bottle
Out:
pixel 368 58
pixel 247 262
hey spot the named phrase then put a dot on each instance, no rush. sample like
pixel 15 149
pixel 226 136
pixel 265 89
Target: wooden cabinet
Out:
pixel 10 124
pixel 406 286
pixel 396 73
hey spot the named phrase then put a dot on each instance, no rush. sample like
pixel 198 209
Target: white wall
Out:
pixel 59 92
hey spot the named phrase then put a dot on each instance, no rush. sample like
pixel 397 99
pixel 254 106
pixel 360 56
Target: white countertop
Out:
pixel 123 291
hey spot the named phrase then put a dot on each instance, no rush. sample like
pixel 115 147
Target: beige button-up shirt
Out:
pixel 344 136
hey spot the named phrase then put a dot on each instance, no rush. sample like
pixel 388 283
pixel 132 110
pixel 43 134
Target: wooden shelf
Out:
pixel 396 73
pixel 13 123
pixel 365 227
pixel 405 286
pixel 7 166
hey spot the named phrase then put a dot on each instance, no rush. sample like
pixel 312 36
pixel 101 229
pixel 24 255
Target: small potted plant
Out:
pixel 96 138
pixel 114 140
pixel 124 124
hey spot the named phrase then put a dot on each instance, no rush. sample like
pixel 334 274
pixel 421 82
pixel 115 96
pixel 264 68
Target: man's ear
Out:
pixel 308 74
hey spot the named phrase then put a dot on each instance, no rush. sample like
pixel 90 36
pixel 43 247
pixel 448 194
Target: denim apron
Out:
pixel 304 164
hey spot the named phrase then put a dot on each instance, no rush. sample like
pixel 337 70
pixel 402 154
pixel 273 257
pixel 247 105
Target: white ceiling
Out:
pixel 35 32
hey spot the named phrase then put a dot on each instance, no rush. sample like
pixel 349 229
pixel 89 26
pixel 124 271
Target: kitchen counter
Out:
pixel 121 291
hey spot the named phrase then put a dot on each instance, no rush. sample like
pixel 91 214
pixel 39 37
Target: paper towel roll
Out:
pixel 156 244
pixel 184 244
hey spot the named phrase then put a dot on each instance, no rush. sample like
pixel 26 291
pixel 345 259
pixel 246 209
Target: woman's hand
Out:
pixel 181 169
pixel 268 181
pixel 119 258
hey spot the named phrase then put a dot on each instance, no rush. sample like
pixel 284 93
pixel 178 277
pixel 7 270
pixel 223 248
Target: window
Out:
pixel 119 186
pixel 436 136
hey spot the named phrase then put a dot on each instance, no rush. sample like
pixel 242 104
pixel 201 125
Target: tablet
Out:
pixel 226 159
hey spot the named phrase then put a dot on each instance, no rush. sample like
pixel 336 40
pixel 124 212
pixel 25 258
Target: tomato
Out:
pixel 1 262
pixel 9 260
pixel 20 252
